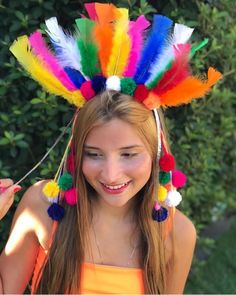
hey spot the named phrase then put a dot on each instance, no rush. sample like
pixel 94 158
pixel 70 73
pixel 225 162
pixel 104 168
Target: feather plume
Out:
pixel 87 47
pixel 65 45
pixel 181 35
pixel 106 13
pixel 178 71
pixel 41 50
pixel 103 32
pixel 22 51
pixel 189 89
pixel 75 76
pixel 90 7
pixel 198 47
pixel 154 46
pixel 120 47
pixel 136 33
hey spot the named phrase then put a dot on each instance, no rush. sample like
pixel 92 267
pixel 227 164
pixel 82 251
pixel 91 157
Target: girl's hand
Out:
pixel 7 191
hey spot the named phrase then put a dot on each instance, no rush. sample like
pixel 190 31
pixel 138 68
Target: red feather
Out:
pixel 178 71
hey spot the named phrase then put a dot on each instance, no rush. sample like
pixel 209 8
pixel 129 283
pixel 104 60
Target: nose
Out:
pixel 111 171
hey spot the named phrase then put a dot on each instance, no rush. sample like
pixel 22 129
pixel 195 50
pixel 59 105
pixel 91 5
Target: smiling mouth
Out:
pixel 115 187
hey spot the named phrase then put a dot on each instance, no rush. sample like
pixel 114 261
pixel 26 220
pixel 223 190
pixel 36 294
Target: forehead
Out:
pixel 113 134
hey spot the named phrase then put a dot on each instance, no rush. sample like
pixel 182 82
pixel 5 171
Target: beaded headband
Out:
pixel 110 52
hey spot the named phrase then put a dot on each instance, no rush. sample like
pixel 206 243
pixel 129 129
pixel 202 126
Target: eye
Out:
pixel 129 155
pixel 93 155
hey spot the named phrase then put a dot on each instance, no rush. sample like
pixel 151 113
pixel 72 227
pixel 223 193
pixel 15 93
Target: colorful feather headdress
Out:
pixel 109 51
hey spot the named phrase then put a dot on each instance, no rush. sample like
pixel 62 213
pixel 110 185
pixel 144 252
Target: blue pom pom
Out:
pixel 160 215
pixel 99 83
pixel 56 211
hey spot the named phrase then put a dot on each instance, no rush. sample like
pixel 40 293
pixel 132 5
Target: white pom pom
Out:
pixel 173 198
pixel 113 83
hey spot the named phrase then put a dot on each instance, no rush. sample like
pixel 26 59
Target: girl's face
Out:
pixel 116 162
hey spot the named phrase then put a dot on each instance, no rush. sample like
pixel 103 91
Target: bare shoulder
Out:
pixel 180 246
pixel 184 229
pixel 31 228
pixel 32 211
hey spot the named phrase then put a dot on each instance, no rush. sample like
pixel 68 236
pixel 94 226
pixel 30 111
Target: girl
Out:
pixel 109 242
pixel 112 224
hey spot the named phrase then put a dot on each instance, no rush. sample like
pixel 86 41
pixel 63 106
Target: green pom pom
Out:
pixel 65 181
pixel 127 86
pixel 164 177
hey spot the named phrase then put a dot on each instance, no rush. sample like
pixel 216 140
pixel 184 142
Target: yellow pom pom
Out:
pixel 51 189
pixel 162 193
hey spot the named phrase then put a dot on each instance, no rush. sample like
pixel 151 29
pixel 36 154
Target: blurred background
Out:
pixel 203 134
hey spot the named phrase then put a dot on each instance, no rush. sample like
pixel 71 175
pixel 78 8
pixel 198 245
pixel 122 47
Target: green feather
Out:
pixel 197 47
pixel 87 47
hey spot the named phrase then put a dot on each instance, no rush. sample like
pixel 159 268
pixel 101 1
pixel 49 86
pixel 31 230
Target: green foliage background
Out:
pixel 202 134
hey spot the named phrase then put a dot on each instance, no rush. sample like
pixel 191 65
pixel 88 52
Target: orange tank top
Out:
pixel 101 279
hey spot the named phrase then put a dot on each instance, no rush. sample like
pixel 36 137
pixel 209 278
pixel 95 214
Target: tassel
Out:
pixel 120 46
pixel 21 49
pixel 65 46
pixel 87 47
pixel 40 49
pixel 56 212
pixel 136 33
pixel 155 44
pixel 164 62
pixel 159 213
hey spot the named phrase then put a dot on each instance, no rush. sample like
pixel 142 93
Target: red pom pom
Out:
pixel 167 163
pixel 141 92
pixel 178 178
pixel 87 90
pixel 71 196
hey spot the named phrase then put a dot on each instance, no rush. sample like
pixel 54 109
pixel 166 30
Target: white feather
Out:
pixel 181 35
pixel 69 55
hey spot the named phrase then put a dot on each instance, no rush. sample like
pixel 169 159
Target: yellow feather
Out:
pixel 121 45
pixel 21 49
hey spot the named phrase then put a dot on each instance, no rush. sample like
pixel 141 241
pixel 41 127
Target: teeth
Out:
pixel 115 186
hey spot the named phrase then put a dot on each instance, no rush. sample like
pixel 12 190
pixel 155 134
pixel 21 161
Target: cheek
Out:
pixel 89 168
pixel 141 167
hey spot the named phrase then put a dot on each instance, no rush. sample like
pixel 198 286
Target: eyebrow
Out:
pixel 122 148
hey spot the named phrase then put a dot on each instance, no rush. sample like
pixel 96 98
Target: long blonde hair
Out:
pixel 62 270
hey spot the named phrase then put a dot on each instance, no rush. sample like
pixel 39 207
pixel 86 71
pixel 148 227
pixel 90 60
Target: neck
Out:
pixel 107 213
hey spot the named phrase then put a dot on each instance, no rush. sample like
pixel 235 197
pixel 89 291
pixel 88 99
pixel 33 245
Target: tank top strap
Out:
pixel 41 260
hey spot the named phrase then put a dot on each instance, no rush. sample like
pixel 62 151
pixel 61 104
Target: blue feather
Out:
pixel 75 76
pixel 154 45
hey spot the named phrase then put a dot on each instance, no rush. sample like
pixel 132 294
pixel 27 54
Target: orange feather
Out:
pixel 107 14
pixel 184 92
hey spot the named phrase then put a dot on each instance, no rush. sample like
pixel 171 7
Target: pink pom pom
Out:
pixel 178 178
pixel 71 196
pixel 87 90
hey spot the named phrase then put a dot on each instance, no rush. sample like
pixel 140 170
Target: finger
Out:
pixel 10 190
pixel 6 182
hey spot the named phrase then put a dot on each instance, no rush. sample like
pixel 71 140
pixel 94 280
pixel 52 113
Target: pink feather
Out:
pixel 178 71
pixel 40 49
pixel 90 7
pixel 136 33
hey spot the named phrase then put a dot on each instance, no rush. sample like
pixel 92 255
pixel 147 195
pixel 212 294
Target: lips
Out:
pixel 115 189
